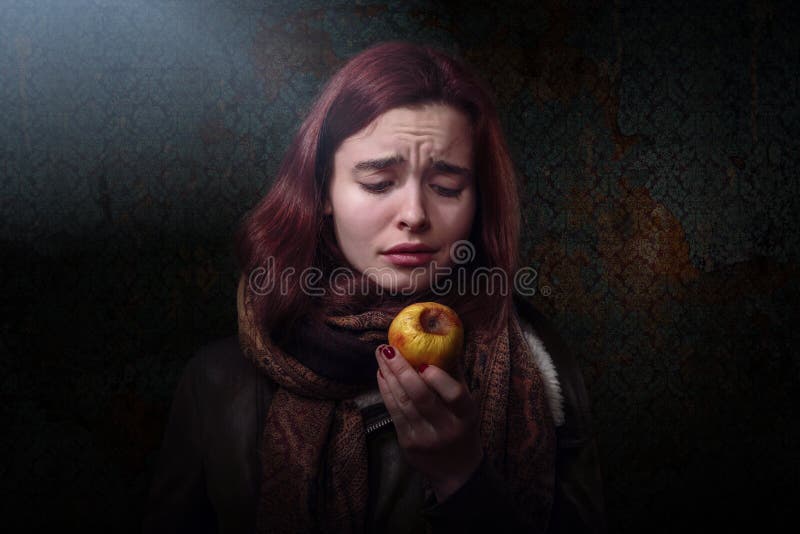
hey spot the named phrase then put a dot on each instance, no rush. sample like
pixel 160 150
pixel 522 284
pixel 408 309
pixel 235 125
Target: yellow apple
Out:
pixel 428 332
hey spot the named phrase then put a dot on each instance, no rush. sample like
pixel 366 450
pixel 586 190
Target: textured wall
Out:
pixel 658 145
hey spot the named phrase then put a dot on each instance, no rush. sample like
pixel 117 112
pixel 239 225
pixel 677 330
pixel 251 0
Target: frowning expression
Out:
pixel 404 180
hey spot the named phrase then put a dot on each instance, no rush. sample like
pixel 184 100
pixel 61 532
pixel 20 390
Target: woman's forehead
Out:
pixel 436 130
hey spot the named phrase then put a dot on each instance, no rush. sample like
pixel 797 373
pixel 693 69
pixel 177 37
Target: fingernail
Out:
pixel 388 352
pixel 422 367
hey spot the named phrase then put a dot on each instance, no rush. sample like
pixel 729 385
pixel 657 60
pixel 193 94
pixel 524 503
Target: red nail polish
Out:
pixel 423 367
pixel 388 352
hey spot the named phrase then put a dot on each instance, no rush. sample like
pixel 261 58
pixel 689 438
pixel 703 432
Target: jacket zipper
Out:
pixel 377 425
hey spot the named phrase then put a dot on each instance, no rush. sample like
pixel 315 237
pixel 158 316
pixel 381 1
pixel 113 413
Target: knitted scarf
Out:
pixel 314 450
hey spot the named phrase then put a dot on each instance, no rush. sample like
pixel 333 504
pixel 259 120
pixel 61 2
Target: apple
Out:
pixel 428 332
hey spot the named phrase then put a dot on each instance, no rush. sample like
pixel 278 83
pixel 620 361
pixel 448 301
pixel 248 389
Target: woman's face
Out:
pixel 405 179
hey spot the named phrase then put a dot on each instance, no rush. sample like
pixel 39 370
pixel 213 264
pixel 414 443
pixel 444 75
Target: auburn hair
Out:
pixel 287 230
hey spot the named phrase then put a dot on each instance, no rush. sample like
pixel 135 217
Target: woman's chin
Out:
pixel 402 284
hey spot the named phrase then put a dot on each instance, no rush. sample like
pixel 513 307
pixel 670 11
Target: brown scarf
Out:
pixel 314 451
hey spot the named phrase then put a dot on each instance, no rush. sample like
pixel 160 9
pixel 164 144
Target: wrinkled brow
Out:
pixel 390 161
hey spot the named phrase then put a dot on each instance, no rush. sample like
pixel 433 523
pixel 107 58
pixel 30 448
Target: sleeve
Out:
pixel 177 501
pixel 578 502
pixel 483 504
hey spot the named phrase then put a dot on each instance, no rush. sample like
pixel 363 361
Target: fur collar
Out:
pixel 544 362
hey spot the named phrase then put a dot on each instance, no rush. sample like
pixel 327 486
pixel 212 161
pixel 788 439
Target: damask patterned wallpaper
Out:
pixel 658 147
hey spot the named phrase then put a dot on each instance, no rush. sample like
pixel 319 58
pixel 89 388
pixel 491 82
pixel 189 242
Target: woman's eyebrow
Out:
pixel 389 161
pixel 450 168
pixel 377 164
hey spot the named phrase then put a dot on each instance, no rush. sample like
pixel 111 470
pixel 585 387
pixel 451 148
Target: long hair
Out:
pixel 287 232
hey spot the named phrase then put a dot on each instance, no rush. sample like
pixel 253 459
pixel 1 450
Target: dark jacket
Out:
pixel 208 474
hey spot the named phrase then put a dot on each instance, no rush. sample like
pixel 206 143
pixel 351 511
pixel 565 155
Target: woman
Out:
pixel 308 421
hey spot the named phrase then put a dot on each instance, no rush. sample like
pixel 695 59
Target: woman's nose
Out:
pixel 413 214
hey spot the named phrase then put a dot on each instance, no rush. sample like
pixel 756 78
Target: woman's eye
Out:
pixel 446 191
pixel 376 188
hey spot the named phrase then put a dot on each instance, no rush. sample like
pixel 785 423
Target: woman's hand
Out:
pixel 435 418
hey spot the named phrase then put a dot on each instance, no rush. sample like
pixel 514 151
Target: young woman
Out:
pixel 397 188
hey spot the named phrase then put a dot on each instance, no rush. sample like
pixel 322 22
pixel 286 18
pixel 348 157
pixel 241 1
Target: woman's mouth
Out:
pixel 409 254
pixel 409 259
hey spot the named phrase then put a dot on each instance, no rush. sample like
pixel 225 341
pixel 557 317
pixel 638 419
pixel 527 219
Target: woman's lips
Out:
pixel 409 259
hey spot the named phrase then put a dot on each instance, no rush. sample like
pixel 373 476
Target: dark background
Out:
pixel 658 147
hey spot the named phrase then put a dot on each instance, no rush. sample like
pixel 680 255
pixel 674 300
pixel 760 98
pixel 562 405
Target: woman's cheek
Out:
pixel 372 212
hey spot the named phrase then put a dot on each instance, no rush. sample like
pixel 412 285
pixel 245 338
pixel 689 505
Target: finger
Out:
pixel 411 434
pixel 400 397
pixel 401 424
pixel 454 393
pixel 413 386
